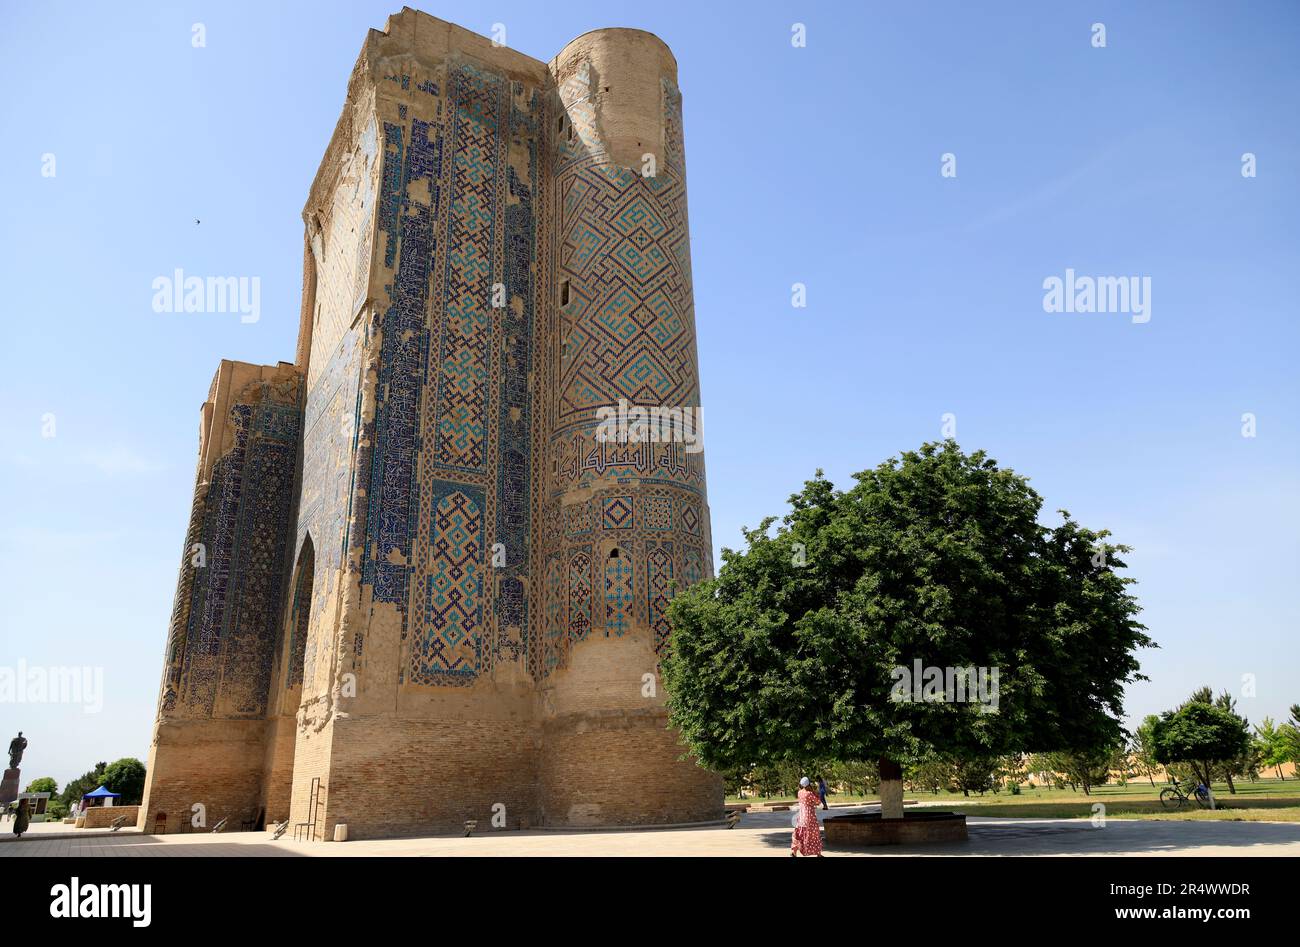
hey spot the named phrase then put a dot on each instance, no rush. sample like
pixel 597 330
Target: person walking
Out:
pixel 823 792
pixel 807 837
pixel 21 819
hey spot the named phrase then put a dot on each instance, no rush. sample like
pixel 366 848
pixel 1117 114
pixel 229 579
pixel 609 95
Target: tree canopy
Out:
pixel 1202 734
pixel 938 557
pixel 125 776
pixel 43 784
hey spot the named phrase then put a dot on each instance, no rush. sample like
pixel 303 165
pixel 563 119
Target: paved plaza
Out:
pixel 758 834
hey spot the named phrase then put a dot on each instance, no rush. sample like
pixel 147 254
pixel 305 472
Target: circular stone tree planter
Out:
pixel 915 827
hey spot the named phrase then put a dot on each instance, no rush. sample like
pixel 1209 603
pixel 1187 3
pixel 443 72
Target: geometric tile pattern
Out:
pixel 554 618
pixel 616 512
pixel 659 578
pixel 450 647
pixel 577 518
pixel 514 369
pixel 463 371
pixel 580 597
pixel 232 611
pixel 619 595
pixel 457 221
pixel 691 519
pixel 409 169
pixel 623 247
pixel 657 512
pixel 623 325
pixel 692 571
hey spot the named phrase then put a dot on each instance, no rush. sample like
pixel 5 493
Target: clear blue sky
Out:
pixel 817 165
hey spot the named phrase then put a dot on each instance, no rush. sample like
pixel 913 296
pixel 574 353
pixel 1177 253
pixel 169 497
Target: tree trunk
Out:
pixel 891 789
pixel 1231 787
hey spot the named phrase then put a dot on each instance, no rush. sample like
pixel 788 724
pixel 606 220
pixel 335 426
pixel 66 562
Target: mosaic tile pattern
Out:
pixel 450 650
pixel 619 594
pixel 554 618
pixel 515 363
pixel 403 353
pixel 578 519
pixel 623 328
pixel 617 512
pixel 659 592
pixel 580 596
pixel 463 372
pixel 222 650
pixel 657 512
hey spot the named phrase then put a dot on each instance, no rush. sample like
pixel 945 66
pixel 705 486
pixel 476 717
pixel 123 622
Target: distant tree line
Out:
pixel 124 776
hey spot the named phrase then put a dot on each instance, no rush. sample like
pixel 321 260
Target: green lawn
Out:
pixel 1265 800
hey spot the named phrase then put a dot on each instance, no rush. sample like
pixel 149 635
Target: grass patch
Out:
pixel 1265 800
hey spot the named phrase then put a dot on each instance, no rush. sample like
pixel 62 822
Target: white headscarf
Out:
pixel 803 781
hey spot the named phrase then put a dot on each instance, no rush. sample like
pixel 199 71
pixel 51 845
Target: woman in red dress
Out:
pixel 807 837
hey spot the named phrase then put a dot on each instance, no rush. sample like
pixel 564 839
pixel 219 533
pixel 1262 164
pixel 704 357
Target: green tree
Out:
pixel 1083 769
pixel 736 780
pixel 1290 738
pixel 975 774
pixel 1245 763
pixel 1271 740
pixel 1012 771
pixel 930 774
pixel 1042 765
pixel 795 649
pixel 854 776
pixel 1119 764
pixel 44 784
pixel 126 776
pixel 1143 748
pixel 73 792
pixel 1202 736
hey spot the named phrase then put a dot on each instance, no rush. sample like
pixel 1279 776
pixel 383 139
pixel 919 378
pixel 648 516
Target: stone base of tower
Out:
pixel 611 768
pixel 394 776
pixel 215 764
pixel 277 767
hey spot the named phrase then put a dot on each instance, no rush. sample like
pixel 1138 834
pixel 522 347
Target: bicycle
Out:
pixel 1174 798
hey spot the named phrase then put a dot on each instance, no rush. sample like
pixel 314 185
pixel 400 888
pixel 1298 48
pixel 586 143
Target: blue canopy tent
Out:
pixel 100 797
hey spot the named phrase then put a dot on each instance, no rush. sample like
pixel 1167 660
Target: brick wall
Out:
pixel 101 817
pixel 215 763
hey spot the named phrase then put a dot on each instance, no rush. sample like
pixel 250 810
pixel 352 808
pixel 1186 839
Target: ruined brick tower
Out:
pixel 417 586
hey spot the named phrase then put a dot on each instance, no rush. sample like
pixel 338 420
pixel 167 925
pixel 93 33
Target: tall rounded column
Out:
pixel 627 509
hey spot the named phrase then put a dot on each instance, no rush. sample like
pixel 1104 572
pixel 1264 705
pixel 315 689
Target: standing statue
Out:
pixel 16 747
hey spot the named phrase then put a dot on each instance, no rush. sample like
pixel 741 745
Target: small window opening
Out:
pixel 564 293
